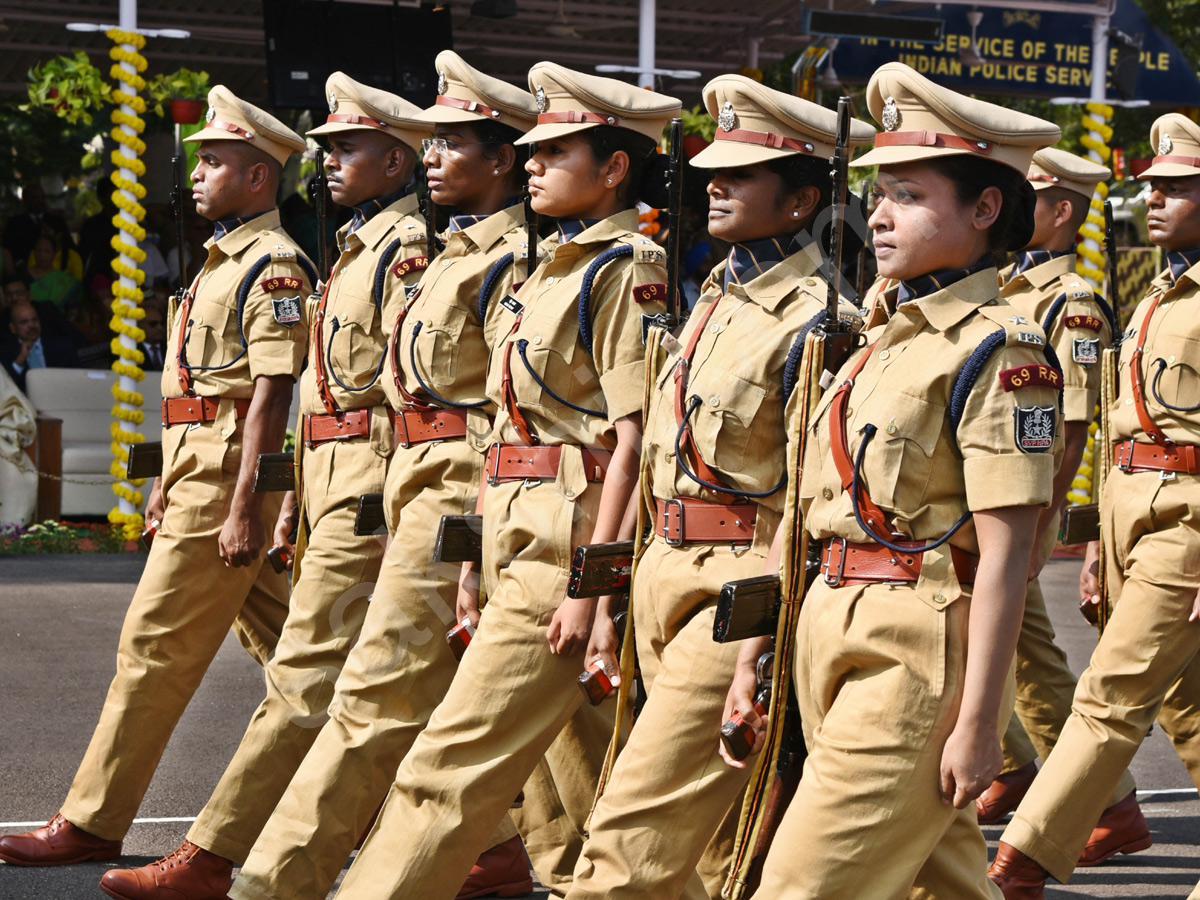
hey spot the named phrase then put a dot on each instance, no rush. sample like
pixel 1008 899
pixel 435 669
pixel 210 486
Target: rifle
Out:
pixel 430 212
pixel 594 681
pixel 319 188
pixel 860 270
pixel 599 569
pixel 747 608
pixel 839 337
pixel 145 460
pixel 736 735
pixel 1110 251
pixel 673 315
pixel 177 163
pixel 368 519
pixel 275 472
pixel 531 234
pixel 459 539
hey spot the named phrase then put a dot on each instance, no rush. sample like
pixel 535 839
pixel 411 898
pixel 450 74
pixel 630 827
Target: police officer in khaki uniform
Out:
pixel 1148 654
pixel 1044 286
pixel 925 467
pixel 433 381
pixel 718 506
pixel 235 346
pixel 345 438
pixel 568 381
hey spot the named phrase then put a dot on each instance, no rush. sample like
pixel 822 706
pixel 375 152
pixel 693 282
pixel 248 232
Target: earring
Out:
pixel 610 181
pixel 795 214
pixel 495 171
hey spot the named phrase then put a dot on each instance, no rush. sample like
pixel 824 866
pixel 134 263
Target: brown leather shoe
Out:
pixel 57 843
pixel 190 873
pixel 502 871
pixel 1005 794
pixel 1122 829
pixel 1017 876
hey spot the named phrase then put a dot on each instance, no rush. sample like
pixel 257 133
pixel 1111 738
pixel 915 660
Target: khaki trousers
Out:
pixel 391 682
pixel 329 600
pixel 185 602
pixel 1045 686
pixel 670 791
pixel 879 678
pixel 1151 536
pixel 509 701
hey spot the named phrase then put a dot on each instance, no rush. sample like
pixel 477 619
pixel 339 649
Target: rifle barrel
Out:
pixel 674 212
pixel 839 174
pixel 177 209
pixel 319 187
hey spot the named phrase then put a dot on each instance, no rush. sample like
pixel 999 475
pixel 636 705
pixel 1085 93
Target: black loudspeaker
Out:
pixel 388 47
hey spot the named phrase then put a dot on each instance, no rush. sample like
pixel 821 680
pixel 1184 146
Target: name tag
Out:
pixel 512 304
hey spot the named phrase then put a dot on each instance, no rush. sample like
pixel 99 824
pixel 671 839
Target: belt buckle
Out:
pixel 677 504
pixel 493 477
pixel 831 578
pixel 402 418
pixel 1123 462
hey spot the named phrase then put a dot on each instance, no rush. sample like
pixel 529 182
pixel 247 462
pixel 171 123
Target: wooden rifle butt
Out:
pixel 459 539
pixel 275 472
pixel 747 608
pixel 145 460
pixel 599 569
pixel 368 520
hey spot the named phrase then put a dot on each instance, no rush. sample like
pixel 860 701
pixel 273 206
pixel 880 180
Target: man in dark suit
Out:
pixel 25 348
pixel 154 347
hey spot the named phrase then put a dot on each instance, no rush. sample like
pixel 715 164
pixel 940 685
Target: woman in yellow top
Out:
pixel 567 377
pixel 925 467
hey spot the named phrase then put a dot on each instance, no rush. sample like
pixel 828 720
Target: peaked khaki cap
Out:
pixel 756 123
pixel 570 101
pixel 467 95
pixel 229 118
pixel 1057 168
pixel 923 120
pixel 359 107
pixel 1176 142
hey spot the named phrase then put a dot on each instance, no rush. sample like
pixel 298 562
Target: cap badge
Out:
pixel 210 115
pixel 442 82
pixel 1164 145
pixel 890 118
pixel 333 102
pixel 540 96
pixel 727 118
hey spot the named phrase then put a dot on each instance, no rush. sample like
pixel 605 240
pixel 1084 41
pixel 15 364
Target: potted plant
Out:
pixel 699 129
pixel 182 92
pixel 70 86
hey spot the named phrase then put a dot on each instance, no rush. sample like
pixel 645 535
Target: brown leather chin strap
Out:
pixel 687 441
pixel 840 448
pixel 508 394
pixel 1138 385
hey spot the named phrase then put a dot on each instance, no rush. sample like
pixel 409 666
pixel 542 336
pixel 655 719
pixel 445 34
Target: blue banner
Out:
pixel 1028 53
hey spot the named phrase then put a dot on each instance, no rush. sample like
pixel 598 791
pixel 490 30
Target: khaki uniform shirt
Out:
pixel 272 318
pixel 1079 333
pixel 354 346
pixel 739 426
pixel 442 331
pixel 609 380
pixel 1171 344
pixel 917 469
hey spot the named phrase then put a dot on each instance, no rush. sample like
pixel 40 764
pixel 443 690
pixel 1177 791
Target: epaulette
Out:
pixel 281 252
pixel 644 249
pixel 414 236
pixel 1075 288
pixel 1019 331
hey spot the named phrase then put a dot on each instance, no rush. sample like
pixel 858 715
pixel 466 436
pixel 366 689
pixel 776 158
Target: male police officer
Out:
pixel 236 342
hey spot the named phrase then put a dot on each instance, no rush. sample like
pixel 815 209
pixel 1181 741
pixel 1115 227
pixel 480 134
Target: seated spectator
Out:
pixel 25 347
pixel 66 257
pixel 154 347
pixel 93 320
pixel 48 283
pixel 23 229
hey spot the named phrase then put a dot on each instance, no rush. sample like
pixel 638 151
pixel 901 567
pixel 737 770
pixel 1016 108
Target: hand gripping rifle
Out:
pixel 319 188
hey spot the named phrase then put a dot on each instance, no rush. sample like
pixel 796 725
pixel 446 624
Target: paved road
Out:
pixel 62 616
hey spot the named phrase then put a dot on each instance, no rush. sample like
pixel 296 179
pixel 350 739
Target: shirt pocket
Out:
pixel 213 339
pixel 433 345
pixel 724 421
pixel 1171 375
pixel 353 346
pixel 898 464
pixel 547 373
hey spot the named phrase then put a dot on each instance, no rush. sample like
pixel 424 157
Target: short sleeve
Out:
pixel 274 321
pixel 1010 435
pixel 620 302
pixel 1080 337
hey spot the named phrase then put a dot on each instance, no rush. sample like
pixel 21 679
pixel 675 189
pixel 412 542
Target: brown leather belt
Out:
pixel 689 521
pixel 1135 456
pixel 516 462
pixel 845 562
pixel 189 410
pixel 419 426
pixel 341 426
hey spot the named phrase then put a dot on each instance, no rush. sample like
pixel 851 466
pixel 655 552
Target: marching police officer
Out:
pixel 236 343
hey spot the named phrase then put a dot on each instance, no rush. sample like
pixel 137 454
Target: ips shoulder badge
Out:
pixel 286 310
pixel 1033 428
pixel 1085 351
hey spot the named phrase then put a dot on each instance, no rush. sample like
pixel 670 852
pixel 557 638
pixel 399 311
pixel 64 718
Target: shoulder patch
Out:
pixel 281 283
pixel 1085 351
pixel 286 310
pixel 412 264
pixel 1030 376
pixel 648 293
pixel 1033 428
pixel 1089 322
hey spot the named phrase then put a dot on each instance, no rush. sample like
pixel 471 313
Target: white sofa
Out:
pixel 82 399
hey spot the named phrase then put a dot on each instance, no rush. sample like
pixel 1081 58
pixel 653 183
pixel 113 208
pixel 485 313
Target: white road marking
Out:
pixel 1184 793
pixel 161 821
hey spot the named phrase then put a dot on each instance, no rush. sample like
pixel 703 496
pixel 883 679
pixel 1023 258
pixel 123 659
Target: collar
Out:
pixel 790 276
pixel 1029 259
pixel 569 229
pixel 377 227
pixel 1180 263
pixel 223 227
pixel 955 300
pixel 605 231
pixel 750 259
pixel 364 212
pixel 926 285
pixel 243 235
pixel 1042 271
pixel 486 231
pixel 463 221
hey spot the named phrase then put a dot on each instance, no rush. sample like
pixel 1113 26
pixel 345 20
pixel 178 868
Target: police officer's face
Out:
pixel 565 181
pixel 919 226
pixel 362 165
pixel 221 180
pixel 750 203
pixel 456 168
pixel 1173 212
